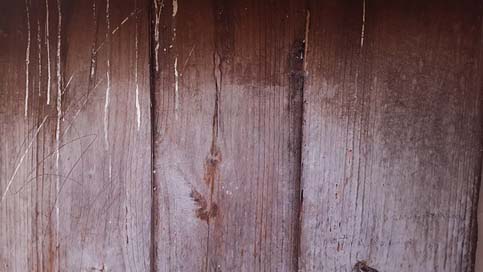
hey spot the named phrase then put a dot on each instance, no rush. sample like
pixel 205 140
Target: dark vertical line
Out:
pixel 301 77
pixel 152 91
pixel 474 226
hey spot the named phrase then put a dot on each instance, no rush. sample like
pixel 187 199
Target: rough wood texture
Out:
pixel 75 123
pixel 27 128
pixel 227 134
pixel 392 135
pixel 283 135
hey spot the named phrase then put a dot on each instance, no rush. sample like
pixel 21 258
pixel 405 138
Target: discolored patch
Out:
pixel 203 210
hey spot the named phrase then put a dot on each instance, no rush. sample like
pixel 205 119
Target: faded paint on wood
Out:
pixel 227 107
pixel 392 135
pixel 75 166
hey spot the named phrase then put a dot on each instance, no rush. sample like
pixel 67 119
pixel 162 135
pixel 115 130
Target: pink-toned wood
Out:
pixel 227 110
pixel 75 154
pixel 392 135
pixel 286 135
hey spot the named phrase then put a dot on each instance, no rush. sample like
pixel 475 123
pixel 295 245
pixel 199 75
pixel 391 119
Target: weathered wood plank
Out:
pixel 392 135
pixel 228 79
pixel 80 200
pixel 27 143
pixel 479 244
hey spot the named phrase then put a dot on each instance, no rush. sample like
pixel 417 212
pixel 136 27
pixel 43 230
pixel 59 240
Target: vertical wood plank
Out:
pixel 479 244
pixel 227 107
pixel 28 237
pixel 392 135
pixel 107 118
pixel 81 199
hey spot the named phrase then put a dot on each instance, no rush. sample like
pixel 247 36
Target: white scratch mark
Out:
pixel 93 67
pixel 306 39
pixel 108 74
pixel 106 111
pixel 176 87
pixel 93 49
pixel 27 58
pixel 47 43
pixel 158 7
pixel 9 183
pixel 39 64
pixel 175 7
pixel 59 111
pixel 98 83
pixel 123 22
pixel 110 167
pixel 116 28
pixel 67 85
pixel 176 74
pixel 363 22
pixel 136 82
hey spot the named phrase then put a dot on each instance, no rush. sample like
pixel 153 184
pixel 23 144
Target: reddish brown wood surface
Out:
pixel 392 135
pixel 75 124
pixel 227 133
pixel 27 127
pixel 183 135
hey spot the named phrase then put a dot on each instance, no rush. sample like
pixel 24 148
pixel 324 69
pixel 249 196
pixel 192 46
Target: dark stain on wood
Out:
pixel 212 165
pixel 205 210
pixel 361 266
pixel 224 24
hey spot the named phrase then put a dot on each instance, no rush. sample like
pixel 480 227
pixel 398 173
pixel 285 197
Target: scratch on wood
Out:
pixel 40 163
pixel 158 7
pixel 39 59
pixel 101 45
pixel 188 58
pixel 176 74
pixel 47 43
pixel 306 39
pixel 93 63
pixel 108 75
pixel 27 57
pixel 175 7
pixel 133 13
pixel 176 87
pixel 117 27
pixel 363 22
pixel 110 167
pixel 81 107
pixel 9 183
pixel 136 82
pixel 59 109
pixel 67 176
pixel 64 89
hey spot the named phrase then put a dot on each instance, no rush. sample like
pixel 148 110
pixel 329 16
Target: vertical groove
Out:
pixel 476 235
pixel 153 68
pixel 298 226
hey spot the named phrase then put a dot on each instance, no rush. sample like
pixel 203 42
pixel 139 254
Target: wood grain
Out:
pixel 227 110
pixel 240 135
pixel 28 237
pixel 392 135
pixel 80 200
